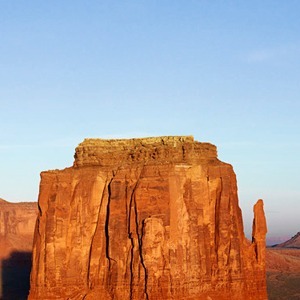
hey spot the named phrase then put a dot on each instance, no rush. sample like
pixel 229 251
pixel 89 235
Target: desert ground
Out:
pixel 283 273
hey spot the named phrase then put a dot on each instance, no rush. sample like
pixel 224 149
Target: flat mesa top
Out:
pixel 149 150
pixel 164 140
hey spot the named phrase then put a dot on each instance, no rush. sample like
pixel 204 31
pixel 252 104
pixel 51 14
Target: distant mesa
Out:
pixel 294 242
pixel 153 218
pixel 17 223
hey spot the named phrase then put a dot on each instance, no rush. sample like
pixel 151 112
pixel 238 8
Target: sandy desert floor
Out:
pixel 283 274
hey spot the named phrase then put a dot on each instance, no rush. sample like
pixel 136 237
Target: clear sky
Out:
pixel 227 72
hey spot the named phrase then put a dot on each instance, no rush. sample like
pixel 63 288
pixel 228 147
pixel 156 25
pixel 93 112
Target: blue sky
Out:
pixel 227 72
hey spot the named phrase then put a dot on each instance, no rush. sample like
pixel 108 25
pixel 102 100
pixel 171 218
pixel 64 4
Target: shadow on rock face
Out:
pixel 15 276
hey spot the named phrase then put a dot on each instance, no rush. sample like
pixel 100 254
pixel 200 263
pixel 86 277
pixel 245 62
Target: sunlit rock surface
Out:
pixel 153 218
pixel 17 222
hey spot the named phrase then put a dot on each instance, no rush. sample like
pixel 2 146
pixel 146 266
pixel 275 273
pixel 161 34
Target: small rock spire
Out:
pixel 259 231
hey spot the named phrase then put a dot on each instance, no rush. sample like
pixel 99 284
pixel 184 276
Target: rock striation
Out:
pixel 153 218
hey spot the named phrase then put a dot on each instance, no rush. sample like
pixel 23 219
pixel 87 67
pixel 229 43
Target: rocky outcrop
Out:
pixel 259 231
pixel 17 222
pixel 154 218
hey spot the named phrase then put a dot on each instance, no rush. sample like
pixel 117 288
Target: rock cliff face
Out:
pixel 17 222
pixel 154 218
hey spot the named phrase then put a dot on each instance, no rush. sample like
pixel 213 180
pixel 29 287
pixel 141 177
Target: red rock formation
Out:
pixel 17 222
pixel 154 218
pixel 259 231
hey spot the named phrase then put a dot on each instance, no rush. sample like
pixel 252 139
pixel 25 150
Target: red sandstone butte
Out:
pixel 153 218
pixel 17 222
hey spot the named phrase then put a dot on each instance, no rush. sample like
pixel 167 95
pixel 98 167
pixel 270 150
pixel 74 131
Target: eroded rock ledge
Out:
pixel 154 218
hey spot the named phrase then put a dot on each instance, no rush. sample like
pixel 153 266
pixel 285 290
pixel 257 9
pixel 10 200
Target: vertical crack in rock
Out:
pixel 140 243
pixel 106 227
pixel 229 252
pixel 230 234
pixel 130 236
pixel 133 206
pixel 94 234
pixel 217 219
pixel 131 266
pixel 183 152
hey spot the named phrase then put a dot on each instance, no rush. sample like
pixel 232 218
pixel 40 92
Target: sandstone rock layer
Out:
pixel 154 218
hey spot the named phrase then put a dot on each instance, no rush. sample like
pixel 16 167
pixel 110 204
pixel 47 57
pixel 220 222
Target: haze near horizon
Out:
pixel 226 73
